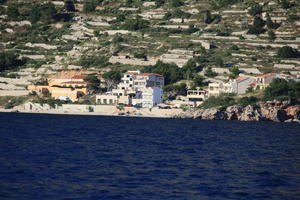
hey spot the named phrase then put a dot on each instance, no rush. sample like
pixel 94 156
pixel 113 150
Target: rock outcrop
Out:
pixel 275 111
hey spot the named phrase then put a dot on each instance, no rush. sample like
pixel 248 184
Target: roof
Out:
pixel 241 78
pixel 252 84
pixel 267 75
pixel 79 77
pixel 75 82
pixel 149 74
pixel 130 73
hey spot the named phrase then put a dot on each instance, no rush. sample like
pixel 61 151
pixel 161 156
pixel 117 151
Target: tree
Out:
pixel 271 35
pixel 12 12
pixel 198 81
pixel 257 27
pixel 159 3
pixel 89 6
pixel 112 78
pixel 286 52
pixel 69 5
pixel 175 89
pixel 234 72
pixel 285 4
pixel 10 60
pixel 207 17
pixel 270 24
pixel 177 3
pixel 135 24
pixel 255 9
pixel 210 73
pixel 171 72
pixel 93 82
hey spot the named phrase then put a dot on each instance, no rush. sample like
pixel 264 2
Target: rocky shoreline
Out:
pixel 276 111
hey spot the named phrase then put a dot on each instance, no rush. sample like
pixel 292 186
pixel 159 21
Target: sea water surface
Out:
pixel 95 157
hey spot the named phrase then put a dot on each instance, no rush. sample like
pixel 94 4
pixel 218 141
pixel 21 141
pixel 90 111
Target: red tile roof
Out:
pixel 75 82
pixel 148 74
pixel 130 73
pixel 241 78
pixel 267 75
pixel 252 84
pixel 79 77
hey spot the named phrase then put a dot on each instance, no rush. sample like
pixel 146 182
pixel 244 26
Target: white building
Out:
pixel 152 96
pixel 237 86
pixel 136 88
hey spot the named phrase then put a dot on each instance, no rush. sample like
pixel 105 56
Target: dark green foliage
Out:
pixel 69 5
pixel 293 17
pixel 198 81
pixel 234 48
pixel 270 24
pixel 285 4
pixel 223 3
pixel 271 35
pixel 94 83
pixel 175 89
pixel 177 3
pixel 135 24
pixel 159 3
pixel 257 27
pixel 176 13
pixel 113 75
pixel 255 9
pixel 245 101
pixel 171 72
pixel 210 73
pixel 281 89
pixel 141 56
pixel 207 17
pixel 89 6
pixel 234 72
pixel 10 60
pixel 13 12
pixel 286 52
pixel 223 101
pixel 93 61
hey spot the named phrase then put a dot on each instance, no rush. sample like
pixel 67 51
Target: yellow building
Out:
pixel 67 85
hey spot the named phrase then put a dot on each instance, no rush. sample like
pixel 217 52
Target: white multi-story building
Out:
pixel 237 86
pixel 151 96
pixel 141 88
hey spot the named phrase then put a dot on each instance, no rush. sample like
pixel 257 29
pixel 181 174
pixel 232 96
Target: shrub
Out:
pixel 135 24
pixel 10 60
pixel 245 101
pixel 286 52
pixel 281 89
pixel 177 3
pixel 210 73
pixel 222 101
pixel 255 9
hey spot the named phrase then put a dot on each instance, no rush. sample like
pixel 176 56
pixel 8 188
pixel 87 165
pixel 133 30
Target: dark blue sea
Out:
pixel 120 158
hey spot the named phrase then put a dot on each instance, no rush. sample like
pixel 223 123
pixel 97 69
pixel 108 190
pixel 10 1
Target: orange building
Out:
pixel 65 85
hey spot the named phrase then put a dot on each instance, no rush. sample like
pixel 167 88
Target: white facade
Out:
pixel 141 88
pixel 237 86
pixel 152 96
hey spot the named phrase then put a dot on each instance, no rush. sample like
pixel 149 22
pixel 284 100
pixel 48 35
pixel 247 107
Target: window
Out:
pixel 104 101
pixel 110 101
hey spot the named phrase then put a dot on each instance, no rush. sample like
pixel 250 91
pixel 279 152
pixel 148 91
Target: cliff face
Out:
pixel 275 111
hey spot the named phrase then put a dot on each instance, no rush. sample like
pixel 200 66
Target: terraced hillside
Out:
pixel 209 38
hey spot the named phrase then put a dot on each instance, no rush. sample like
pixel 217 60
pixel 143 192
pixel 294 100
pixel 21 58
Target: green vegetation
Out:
pixel 223 101
pixel 10 60
pixel 135 24
pixel 8 102
pixel 93 61
pixel 280 89
pixel 286 52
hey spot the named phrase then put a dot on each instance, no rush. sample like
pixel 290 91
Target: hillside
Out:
pixel 211 38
